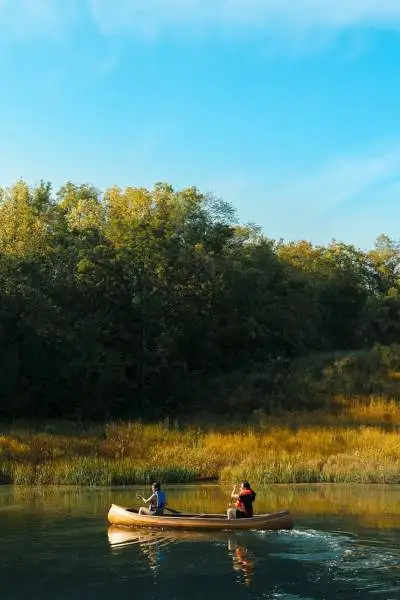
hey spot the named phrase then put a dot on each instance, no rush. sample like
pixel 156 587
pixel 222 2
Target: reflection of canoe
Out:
pixel 129 517
pixel 119 536
pixel 152 541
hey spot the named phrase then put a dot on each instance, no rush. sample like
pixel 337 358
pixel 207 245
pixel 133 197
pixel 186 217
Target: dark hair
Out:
pixel 247 486
pixel 156 485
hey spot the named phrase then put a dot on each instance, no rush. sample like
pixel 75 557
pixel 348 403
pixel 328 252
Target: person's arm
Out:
pixel 148 499
pixel 234 495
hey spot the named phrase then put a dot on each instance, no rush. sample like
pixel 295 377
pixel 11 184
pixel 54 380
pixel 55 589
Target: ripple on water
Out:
pixel 372 568
pixel 282 596
pixel 367 566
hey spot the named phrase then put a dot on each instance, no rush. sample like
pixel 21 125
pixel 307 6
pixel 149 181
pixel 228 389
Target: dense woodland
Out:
pixel 153 303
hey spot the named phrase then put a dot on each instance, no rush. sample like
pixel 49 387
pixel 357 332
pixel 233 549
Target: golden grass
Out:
pixel 356 443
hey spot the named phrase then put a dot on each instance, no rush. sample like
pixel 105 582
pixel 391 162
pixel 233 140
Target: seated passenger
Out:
pixel 243 508
pixel 157 501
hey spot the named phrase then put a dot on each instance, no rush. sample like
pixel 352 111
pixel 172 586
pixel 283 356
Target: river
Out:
pixel 56 544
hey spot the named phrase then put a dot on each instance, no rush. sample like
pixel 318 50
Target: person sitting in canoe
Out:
pixel 243 508
pixel 157 501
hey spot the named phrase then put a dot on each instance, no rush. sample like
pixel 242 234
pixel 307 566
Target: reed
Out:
pixel 357 441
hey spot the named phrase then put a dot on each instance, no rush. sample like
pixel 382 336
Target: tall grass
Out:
pixel 358 442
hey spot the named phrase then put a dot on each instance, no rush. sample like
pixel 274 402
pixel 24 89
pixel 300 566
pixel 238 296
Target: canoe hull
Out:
pixel 125 517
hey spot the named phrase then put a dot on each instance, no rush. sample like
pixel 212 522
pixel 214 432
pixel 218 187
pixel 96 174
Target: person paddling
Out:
pixel 157 501
pixel 243 508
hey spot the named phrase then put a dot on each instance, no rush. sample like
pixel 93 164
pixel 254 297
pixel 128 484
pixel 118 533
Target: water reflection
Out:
pixel 55 544
pixel 242 560
pixel 152 543
pixel 374 506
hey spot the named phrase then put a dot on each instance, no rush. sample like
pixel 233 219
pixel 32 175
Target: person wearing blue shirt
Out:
pixel 157 501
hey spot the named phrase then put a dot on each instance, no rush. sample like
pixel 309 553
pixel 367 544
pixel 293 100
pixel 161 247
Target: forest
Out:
pixel 157 303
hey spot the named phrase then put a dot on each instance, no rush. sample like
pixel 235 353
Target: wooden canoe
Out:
pixel 129 517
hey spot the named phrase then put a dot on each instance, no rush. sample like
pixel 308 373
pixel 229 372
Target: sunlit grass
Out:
pixel 378 410
pixel 355 442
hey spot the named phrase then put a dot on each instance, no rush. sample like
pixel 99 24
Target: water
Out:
pixel 55 543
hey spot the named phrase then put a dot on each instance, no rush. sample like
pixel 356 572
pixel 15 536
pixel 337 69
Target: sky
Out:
pixel 288 109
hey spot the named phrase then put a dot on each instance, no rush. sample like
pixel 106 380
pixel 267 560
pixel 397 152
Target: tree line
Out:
pixel 134 302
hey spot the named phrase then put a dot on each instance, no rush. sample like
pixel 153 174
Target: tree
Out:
pixel 23 229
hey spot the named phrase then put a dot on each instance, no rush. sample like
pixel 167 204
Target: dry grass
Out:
pixel 356 443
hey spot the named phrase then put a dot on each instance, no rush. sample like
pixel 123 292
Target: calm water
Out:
pixel 55 543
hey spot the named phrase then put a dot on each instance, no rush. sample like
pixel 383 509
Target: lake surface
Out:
pixel 55 543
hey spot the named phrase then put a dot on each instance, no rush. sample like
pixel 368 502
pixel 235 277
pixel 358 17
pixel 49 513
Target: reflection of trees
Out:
pixel 365 504
pixel 369 505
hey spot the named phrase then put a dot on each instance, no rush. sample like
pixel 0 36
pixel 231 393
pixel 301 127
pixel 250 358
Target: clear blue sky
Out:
pixel 289 109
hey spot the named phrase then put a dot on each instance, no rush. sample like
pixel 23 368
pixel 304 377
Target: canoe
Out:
pixel 129 517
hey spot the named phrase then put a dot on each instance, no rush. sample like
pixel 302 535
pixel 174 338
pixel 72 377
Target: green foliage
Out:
pixel 142 303
pixel 318 379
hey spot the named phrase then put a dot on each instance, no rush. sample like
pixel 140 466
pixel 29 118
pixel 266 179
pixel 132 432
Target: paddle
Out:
pixel 173 511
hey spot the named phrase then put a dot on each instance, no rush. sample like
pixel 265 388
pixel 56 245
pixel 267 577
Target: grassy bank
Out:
pixel 358 442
